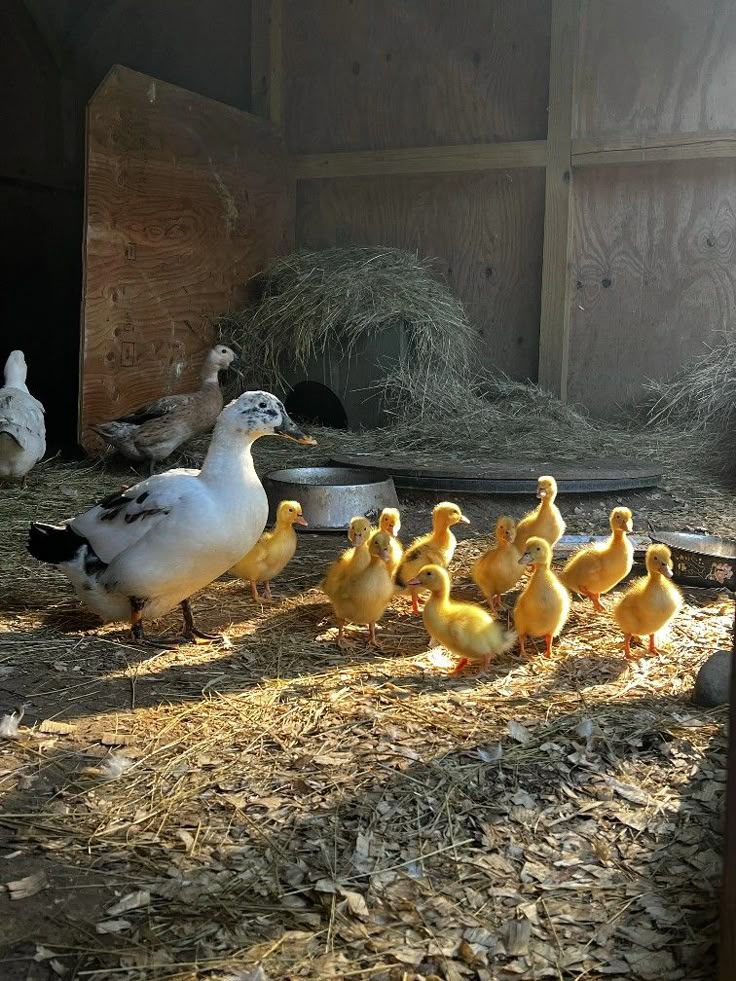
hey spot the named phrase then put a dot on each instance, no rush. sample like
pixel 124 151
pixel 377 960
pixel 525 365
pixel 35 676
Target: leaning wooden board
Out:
pixel 508 476
pixel 186 199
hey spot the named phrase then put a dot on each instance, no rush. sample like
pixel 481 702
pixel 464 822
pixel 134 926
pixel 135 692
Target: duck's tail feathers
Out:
pixel 54 544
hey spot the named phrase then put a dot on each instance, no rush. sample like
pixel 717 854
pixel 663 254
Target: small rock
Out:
pixel 712 686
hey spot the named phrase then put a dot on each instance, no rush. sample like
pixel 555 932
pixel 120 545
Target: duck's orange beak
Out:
pixel 414 582
pixel 301 521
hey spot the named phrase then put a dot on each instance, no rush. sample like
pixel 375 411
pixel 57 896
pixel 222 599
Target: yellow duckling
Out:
pixel 356 557
pixel 545 521
pixel 362 596
pixel 498 569
pixel 544 606
pixel 273 551
pixel 465 629
pixel 650 603
pixel 596 569
pixel 436 548
pixel 390 522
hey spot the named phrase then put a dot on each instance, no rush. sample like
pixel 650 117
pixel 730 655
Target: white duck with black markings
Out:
pixel 143 551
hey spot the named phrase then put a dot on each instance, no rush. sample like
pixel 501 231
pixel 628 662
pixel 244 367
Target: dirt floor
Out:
pixel 277 808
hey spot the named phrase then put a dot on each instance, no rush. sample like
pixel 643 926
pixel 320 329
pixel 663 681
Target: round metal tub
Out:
pixel 331 496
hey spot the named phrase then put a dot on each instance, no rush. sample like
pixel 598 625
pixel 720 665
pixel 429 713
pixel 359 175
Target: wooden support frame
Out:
pixel 423 160
pixel 554 326
pixel 669 147
pixel 267 58
pixel 606 151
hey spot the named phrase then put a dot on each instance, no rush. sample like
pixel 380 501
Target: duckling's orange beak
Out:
pixel 629 525
pixel 414 582
pixel 301 521
pixel 668 572
pixel 464 520
pixel 526 559
pixel 541 493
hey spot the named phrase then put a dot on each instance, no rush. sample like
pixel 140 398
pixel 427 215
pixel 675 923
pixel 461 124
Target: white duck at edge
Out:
pixel 22 426
pixel 143 551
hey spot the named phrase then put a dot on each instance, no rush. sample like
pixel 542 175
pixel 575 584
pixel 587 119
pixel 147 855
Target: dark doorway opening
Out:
pixel 315 403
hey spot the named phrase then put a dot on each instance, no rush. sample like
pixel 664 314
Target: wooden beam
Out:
pixel 606 150
pixel 554 327
pixel 422 160
pixel 267 60
pixel 276 41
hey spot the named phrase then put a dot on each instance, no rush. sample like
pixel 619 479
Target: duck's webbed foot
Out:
pixel 191 632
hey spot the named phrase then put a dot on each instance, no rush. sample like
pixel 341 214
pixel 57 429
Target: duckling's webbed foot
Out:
pixel 342 641
pixel 191 632
pixel 373 641
pixel 459 668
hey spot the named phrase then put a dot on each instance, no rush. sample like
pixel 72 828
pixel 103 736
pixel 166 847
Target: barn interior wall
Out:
pixel 653 278
pixel 377 75
pixel 647 273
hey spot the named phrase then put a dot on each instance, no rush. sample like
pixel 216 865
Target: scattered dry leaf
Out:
pixel 134 900
pixel 53 727
pixel 519 732
pixel 28 886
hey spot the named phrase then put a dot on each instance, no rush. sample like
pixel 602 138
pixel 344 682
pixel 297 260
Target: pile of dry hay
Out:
pixel 491 416
pixel 340 297
pixel 701 401
pixel 337 298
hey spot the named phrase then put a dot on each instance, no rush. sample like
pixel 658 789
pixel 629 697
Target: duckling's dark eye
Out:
pixel 263 405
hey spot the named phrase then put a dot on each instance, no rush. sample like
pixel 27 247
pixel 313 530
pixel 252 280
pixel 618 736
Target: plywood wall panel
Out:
pixel 654 274
pixel 374 74
pixel 656 66
pixel 185 200
pixel 485 230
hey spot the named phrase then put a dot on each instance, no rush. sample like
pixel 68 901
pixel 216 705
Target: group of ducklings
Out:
pixel 361 583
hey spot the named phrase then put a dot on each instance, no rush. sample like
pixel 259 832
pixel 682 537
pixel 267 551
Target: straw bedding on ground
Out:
pixel 277 808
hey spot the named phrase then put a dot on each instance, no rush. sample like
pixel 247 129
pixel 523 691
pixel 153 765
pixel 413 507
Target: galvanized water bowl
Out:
pixel 331 496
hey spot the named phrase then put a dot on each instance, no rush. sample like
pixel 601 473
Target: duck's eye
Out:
pixel 263 405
